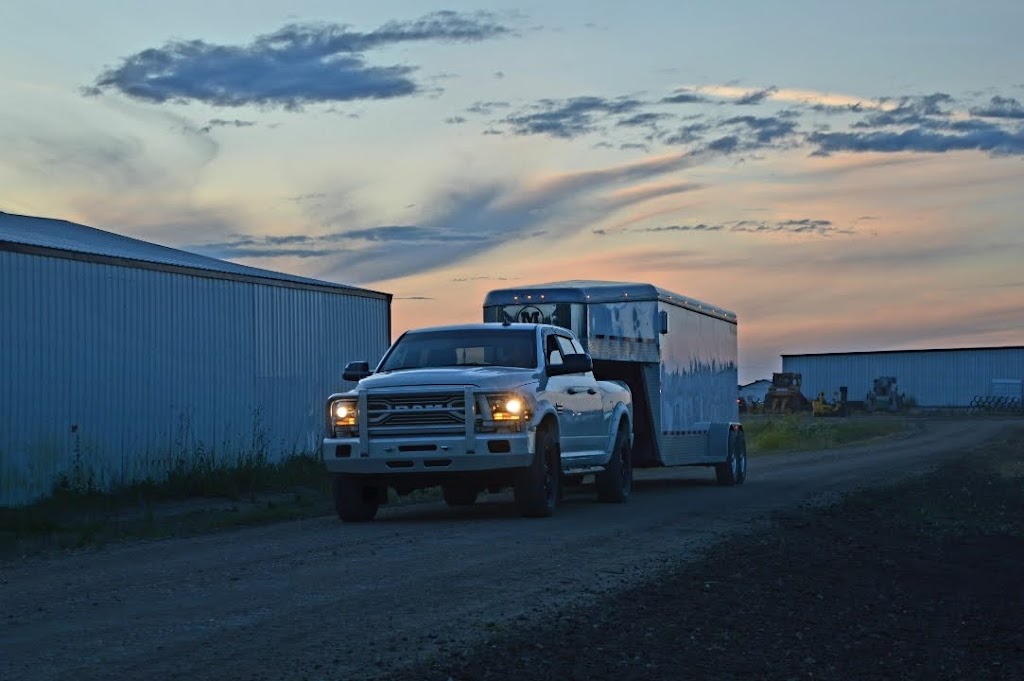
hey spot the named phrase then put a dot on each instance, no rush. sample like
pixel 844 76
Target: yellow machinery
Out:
pixel 837 407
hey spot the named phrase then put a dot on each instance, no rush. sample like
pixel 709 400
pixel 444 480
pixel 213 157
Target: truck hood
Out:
pixel 498 378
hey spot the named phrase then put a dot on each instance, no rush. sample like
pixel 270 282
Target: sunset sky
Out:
pixel 843 176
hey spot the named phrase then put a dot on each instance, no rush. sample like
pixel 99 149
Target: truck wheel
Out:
pixel 615 482
pixel 354 501
pixel 734 470
pixel 459 495
pixel 536 488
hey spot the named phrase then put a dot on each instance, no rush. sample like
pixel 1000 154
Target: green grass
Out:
pixel 199 497
pixel 797 432
pixel 201 493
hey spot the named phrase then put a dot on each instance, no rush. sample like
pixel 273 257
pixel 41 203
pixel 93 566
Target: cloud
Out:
pixel 683 97
pixel 267 247
pixel 766 130
pixel 222 123
pixel 401 233
pixel 868 124
pixel 1000 107
pixel 569 118
pixel 756 97
pixel 688 134
pixel 296 65
pixel 642 119
pixel 994 140
pixel 908 110
pixel 487 108
pixel 477 218
pixel 700 227
pixel 801 226
pixel 455 120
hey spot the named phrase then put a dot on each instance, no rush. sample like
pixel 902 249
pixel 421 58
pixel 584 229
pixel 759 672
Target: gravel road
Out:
pixel 319 599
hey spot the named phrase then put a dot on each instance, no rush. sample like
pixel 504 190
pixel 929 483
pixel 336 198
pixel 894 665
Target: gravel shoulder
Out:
pixel 432 592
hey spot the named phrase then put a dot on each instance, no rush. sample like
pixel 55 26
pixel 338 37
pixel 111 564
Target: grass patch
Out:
pixel 200 497
pixel 797 432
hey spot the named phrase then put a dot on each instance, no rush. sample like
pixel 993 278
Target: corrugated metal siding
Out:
pixel 934 378
pixel 123 371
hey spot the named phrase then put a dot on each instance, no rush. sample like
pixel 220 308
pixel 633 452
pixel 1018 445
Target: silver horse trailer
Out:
pixel 678 356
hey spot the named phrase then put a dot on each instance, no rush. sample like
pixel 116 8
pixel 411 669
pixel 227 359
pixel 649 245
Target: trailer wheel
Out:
pixel 734 470
pixel 459 495
pixel 536 487
pixel 739 445
pixel 615 482
pixel 354 501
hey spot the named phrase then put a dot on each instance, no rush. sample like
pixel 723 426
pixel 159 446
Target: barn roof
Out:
pixel 64 239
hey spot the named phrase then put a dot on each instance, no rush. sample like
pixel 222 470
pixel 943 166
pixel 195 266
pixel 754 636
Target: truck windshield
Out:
pixel 473 347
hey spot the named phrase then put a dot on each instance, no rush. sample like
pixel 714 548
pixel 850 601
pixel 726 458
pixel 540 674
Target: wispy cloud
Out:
pixel 223 123
pixel 800 226
pixel 297 65
pixel 466 222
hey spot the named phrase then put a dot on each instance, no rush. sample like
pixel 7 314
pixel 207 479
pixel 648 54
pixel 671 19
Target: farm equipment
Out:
pixel 837 407
pixel 884 395
pixel 784 396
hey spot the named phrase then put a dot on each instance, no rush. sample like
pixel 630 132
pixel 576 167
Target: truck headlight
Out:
pixel 504 408
pixel 343 413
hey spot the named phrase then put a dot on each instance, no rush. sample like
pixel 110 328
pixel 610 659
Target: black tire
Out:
pixel 739 444
pixel 459 495
pixel 615 482
pixel 537 488
pixel 354 501
pixel 734 470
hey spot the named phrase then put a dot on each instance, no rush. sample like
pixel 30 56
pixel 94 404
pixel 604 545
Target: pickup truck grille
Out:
pixel 424 413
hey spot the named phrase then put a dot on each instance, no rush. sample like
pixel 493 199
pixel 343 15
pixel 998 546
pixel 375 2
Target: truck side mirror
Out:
pixel 663 322
pixel 356 370
pixel 572 364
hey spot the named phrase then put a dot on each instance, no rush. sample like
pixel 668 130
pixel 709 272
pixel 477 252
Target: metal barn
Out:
pixel 121 359
pixel 933 378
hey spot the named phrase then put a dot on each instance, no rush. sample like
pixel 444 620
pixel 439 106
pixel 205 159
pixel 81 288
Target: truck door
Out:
pixel 580 418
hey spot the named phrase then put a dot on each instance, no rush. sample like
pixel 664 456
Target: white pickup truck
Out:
pixel 474 407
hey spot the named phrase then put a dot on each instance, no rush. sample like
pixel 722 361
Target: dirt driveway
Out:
pixel 318 599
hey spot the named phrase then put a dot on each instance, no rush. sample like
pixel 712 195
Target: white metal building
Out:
pixel 933 378
pixel 755 391
pixel 120 359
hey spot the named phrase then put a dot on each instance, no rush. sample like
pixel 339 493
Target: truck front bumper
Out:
pixel 418 455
